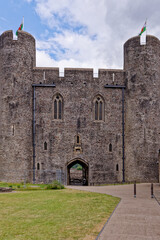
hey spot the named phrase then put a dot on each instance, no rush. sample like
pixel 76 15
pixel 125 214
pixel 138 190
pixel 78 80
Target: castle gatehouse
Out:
pixel 109 124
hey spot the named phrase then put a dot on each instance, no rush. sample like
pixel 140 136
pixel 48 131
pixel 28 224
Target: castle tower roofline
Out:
pixel 9 34
pixel 25 42
pixel 23 36
pixel 137 39
pixel 133 49
pixel 21 32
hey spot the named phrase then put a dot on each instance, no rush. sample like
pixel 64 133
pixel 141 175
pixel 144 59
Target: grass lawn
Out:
pixel 53 214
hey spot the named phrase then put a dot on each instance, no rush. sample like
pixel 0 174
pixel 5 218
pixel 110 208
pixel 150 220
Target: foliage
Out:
pixel 23 186
pixel 28 186
pixel 77 166
pixel 55 185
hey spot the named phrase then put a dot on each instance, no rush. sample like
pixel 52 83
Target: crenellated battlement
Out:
pixel 49 74
pixel 23 46
pixel 7 34
pixel 23 38
pixel 134 51
pixel 6 38
pixel 112 76
pixel 135 41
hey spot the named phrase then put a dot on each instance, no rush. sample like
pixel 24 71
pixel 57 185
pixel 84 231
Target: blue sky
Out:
pixel 80 33
pixel 11 15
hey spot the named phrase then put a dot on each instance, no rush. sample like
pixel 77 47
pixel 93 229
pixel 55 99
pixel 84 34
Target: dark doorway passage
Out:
pixel 77 173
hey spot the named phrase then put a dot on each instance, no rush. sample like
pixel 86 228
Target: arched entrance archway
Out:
pixel 71 178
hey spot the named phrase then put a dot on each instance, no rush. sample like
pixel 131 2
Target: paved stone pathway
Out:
pixel 157 192
pixel 134 218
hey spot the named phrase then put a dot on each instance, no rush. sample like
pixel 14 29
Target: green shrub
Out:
pixel 18 185
pixel 55 185
pixel 79 167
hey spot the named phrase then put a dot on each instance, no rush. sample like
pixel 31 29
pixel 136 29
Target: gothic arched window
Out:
pixel 57 107
pixel 99 108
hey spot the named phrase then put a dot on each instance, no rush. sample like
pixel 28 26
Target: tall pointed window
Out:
pixel 57 107
pixel 99 108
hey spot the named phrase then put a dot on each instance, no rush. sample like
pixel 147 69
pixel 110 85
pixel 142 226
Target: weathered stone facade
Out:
pixel 37 145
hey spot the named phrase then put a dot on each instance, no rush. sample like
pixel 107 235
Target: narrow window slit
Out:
pixel 13 130
pixel 78 140
pixel 110 147
pixel 38 166
pixel 45 146
pixel 117 167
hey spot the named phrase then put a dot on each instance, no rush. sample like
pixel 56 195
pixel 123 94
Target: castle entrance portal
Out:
pixel 77 172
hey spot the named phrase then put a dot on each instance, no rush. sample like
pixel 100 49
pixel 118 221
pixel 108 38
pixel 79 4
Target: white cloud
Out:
pixel 81 48
pixel 44 60
pixel 91 33
pixel 89 13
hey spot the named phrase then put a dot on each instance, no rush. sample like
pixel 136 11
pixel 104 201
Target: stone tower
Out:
pixel 17 59
pixel 142 125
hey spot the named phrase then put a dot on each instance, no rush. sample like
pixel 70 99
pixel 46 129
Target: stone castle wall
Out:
pixel 17 59
pixel 142 66
pixel 78 90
